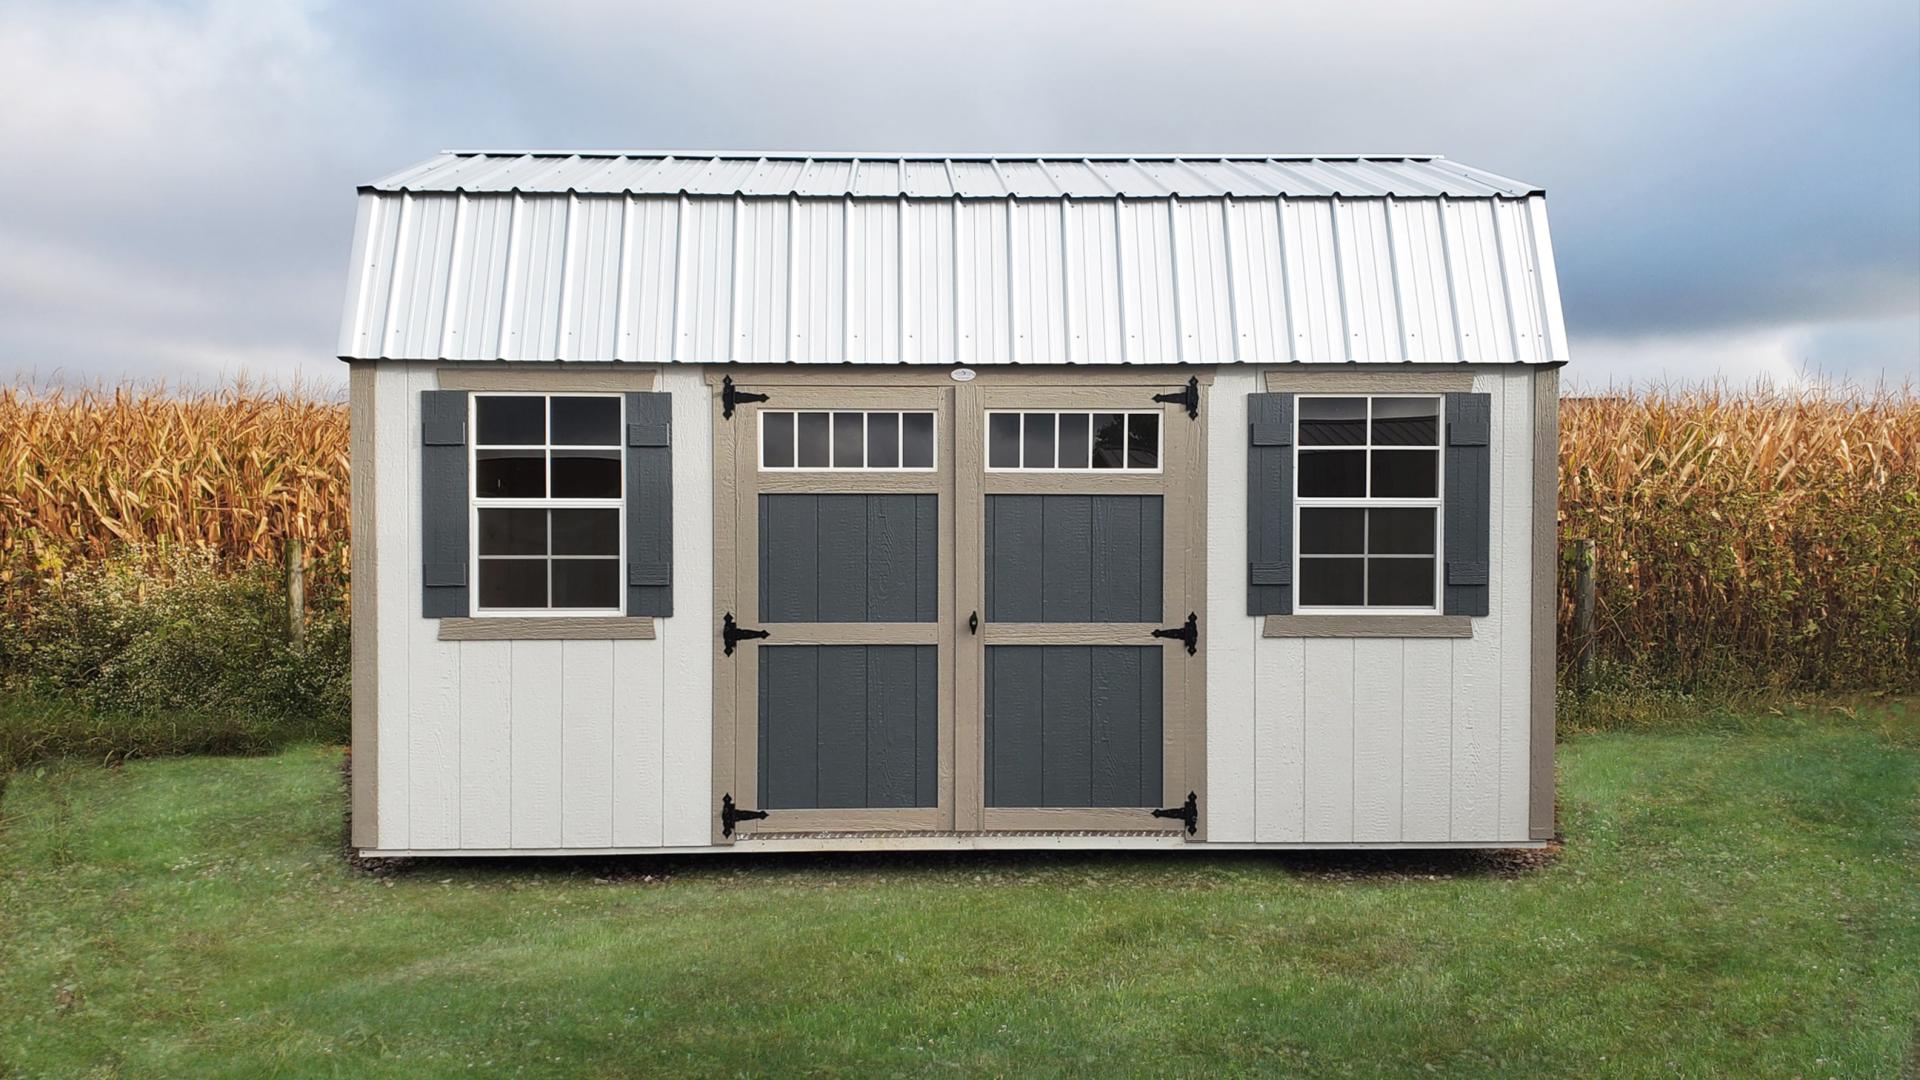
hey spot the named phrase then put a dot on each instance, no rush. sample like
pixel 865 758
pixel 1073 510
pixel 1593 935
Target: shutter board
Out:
pixel 445 591
pixel 1468 506
pixel 1270 504
pixel 649 504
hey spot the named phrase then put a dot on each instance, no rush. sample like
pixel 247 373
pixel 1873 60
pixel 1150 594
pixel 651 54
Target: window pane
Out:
pixel 586 532
pixel 513 532
pixel 1333 473
pixel 1109 440
pixel 586 474
pixel 1395 531
pixel 776 452
pixel 917 433
pixel 1143 441
pixel 849 440
pixel 586 583
pixel 813 440
pixel 586 421
pixel 1340 421
pixel 1003 440
pixel 509 474
pixel 513 583
pixel 1331 582
pixel 1074 440
pixel 1037 443
pixel 1328 531
pixel 1400 582
pixel 1406 421
pixel 1406 474
pixel 883 440
pixel 510 420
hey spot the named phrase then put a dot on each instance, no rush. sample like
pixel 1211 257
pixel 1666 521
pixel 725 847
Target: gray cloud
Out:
pixel 1728 194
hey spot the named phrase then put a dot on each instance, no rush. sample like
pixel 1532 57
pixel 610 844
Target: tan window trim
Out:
pixel 1302 379
pixel 562 628
pixel 1368 626
pixel 546 377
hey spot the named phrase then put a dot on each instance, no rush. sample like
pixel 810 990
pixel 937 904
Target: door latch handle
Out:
pixel 1187 633
pixel 973 623
pixel 732 633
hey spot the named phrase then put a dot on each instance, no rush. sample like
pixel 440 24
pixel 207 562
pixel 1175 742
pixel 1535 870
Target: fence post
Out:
pixel 1583 611
pixel 296 594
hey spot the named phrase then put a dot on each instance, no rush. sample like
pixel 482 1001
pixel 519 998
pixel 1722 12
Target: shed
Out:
pixel 800 501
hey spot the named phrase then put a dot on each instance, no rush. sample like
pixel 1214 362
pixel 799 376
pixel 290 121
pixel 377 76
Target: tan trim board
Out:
pixel 1074 483
pixel 875 482
pixel 1047 818
pixel 843 633
pixel 1365 380
pixel 546 377
pixel 1367 626
pixel 1066 633
pixel 726 546
pixel 363 615
pixel 608 628
pixel 969 588
pixel 1546 601
pixel 912 819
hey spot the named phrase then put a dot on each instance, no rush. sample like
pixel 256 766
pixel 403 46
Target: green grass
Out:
pixel 1738 900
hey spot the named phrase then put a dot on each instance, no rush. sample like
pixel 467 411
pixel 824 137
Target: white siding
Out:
pixel 1371 740
pixel 493 745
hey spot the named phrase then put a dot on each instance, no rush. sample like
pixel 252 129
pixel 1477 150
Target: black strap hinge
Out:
pixel 732 633
pixel 1190 397
pixel 729 397
pixel 1188 812
pixel 731 815
pixel 1187 633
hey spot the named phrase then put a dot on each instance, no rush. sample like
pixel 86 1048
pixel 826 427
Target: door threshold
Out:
pixel 950 835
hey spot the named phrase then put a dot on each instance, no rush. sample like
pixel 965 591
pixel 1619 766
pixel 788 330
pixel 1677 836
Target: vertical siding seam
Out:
pixel 510 278
pixel 846 274
pixel 1506 281
pixel 449 305
pixel 1340 238
pixel 1227 250
pixel 1445 218
pixel 395 287
pixel 568 249
pixel 675 330
pixel 623 283
pixel 1393 273
pixel 733 285
pixel 1173 271
pixel 1066 280
pixel 1120 278
pixel 1280 207
pixel 1013 352
pixel 793 282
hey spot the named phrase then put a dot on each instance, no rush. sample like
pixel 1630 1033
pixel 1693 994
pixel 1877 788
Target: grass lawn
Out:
pixel 1743 899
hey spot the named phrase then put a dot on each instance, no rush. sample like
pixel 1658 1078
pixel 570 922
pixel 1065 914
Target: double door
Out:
pixel 958 607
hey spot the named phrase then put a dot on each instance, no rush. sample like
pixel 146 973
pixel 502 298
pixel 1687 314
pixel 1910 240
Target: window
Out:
pixel 1073 441
pixel 831 441
pixel 548 487
pixel 1367 492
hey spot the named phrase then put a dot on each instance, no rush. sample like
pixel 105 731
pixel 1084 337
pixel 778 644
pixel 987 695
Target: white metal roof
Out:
pixel 529 257
pixel 948 176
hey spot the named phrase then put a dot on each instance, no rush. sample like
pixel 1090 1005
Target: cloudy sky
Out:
pixel 1735 189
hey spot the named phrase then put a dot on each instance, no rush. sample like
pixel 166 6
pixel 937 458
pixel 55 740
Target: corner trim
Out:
pixel 1367 626
pixel 588 628
pixel 1541 823
pixel 363 613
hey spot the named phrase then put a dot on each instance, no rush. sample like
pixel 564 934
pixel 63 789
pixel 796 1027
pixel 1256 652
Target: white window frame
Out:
pixel 475 504
pixel 1436 503
pixel 1159 449
pixel 900 446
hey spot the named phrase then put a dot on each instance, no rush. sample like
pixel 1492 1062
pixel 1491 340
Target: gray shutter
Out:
pixel 1270 504
pixel 649 504
pixel 1467 509
pixel 443 504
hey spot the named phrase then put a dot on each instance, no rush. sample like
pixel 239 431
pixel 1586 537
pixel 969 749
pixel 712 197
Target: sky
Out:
pixel 1734 190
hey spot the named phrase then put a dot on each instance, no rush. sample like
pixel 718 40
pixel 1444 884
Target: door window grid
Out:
pixel 596 520
pixel 1073 441
pixel 884 440
pixel 1397 440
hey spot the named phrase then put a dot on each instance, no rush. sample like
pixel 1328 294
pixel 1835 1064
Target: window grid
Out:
pixel 833 435
pixel 1126 441
pixel 477 502
pixel 1370 502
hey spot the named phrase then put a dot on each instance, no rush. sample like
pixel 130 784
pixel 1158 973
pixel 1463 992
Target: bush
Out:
pixel 120 657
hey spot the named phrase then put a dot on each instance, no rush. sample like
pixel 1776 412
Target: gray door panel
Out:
pixel 1074 558
pixel 848 726
pixel 1073 725
pixel 849 558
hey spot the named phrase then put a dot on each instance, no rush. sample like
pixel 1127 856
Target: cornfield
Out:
pixel 1751 539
